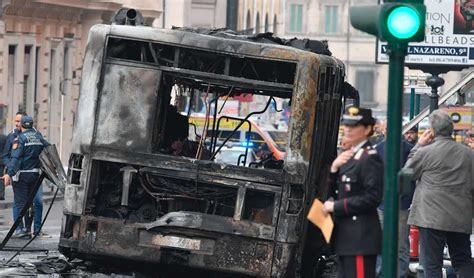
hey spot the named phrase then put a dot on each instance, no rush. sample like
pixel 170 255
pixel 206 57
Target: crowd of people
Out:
pixel 439 202
pixel 20 168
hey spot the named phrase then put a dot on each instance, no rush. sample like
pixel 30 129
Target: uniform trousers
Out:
pixel 362 266
pixel 22 189
pixel 37 215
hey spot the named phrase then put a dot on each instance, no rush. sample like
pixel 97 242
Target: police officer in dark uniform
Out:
pixel 357 176
pixel 24 166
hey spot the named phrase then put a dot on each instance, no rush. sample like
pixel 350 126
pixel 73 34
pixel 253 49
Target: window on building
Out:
pixel 26 79
pixel 248 28
pixel 296 18
pixel 275 24
pixel 257 24
pixel 12 52
pixel 37 68
pixel 330 19
pixel 365 85
pixel 266 23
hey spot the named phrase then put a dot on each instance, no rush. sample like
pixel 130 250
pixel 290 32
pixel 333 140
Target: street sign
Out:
pixel 449 36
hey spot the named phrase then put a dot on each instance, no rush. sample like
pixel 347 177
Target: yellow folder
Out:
pixel 321 220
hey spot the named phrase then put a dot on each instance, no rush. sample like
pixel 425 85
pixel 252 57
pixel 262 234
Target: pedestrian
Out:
pixel 6 158
pixel 23 168
pixel 378 135
pixel 3 140
pixel 411 136
pixel 442 204
pixel 357 176
pixel 469 139
pixel 405 202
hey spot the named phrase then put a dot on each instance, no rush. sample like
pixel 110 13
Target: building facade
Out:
pixel 329 20
pixel 259 16
pixel 195 13
pixel 42 43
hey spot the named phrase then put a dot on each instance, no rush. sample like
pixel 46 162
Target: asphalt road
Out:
pixel 52 227
pixel 49 263
pixel 45 263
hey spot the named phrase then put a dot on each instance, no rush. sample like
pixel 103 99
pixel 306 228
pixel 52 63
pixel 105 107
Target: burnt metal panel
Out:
pixel 127 108
pixel 186 167
pixel 101 237
pixel 213 223
pixel 74 194
pixel 284 260
pixel 240 203
pixel 284 90
pixel 87 103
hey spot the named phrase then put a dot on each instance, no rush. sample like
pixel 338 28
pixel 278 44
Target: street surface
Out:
pixel 51 261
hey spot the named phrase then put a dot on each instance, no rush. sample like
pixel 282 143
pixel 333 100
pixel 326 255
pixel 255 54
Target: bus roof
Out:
pixel 262 45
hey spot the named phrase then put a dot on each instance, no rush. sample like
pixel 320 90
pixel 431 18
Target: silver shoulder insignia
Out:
pixel 359 154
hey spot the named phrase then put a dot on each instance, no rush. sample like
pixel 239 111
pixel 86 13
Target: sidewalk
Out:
pixel 47 197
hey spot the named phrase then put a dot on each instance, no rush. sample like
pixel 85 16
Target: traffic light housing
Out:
pixel 391 22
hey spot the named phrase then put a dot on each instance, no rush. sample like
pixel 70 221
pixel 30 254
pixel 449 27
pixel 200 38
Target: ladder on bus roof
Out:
pixel 443 98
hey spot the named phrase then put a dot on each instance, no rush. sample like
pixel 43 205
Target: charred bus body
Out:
pixel 133 194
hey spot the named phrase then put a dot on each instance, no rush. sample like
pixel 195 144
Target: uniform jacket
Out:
pixel 359 191
pixel 444 172
pixel 7 150
pixel 26 150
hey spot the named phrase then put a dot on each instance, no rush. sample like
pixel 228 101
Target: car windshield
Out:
pixel 280 138
pixel 231 156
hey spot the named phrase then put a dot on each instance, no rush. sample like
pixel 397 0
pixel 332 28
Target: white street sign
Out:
pixel 449 36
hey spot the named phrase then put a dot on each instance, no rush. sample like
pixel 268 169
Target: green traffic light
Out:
pixel 403 22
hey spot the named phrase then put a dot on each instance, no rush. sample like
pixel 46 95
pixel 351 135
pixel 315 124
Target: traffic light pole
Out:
pixel 412 103
pixel 397 52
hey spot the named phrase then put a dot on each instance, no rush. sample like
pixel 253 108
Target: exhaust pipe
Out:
pixel 130 17
pixel 126 16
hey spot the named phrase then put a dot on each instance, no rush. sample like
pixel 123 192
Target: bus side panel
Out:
pixel 74 197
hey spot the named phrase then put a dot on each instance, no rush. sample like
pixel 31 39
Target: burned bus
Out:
pixel 141 188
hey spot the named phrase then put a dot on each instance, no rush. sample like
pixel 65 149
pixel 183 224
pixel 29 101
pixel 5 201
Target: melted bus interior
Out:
pixel 167 85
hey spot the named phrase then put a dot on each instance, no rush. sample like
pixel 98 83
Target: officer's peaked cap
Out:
pixel 356 115
pixel 27 122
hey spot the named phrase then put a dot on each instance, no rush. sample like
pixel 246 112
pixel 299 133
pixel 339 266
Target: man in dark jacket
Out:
pixel 411 136
pixel 405 202
pixel 6 159
pixel 38 200
pixel 23 170
pixel 357 176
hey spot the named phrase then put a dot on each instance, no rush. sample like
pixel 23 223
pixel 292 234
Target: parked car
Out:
pixel 235 155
